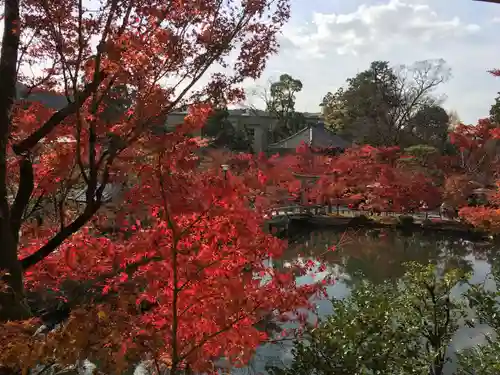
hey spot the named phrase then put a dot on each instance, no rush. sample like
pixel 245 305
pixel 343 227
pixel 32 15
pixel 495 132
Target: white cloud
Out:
pixel 327 46
pixel 371 27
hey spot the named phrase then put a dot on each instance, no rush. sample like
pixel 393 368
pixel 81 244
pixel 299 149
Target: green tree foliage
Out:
pixel 422 153
pixel 335 110
pixel 430 125
pixel 224 134
pixel 424 159
pixel 495 111
pixel 484 359
pixel 402 328
pixel 359 109
pixel 382 104
pixel 280 102
pixel 480 360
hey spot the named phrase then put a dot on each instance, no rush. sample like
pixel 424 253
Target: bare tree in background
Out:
pixel 415 86
pixel 377 105
pixel 260 93
pixel 279 97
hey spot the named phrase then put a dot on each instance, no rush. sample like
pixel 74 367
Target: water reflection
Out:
pixel 379 255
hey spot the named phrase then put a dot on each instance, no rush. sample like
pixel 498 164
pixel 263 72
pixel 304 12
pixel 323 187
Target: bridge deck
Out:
pixel 298 212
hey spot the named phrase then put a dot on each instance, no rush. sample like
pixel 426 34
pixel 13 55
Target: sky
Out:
pixel 328 41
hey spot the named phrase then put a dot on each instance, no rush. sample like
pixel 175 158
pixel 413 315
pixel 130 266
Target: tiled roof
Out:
pixel 48 99
pixel 314 135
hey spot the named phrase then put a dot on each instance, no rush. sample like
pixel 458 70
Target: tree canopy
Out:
pixel 387 106
pixel 120 244
pixel 279 98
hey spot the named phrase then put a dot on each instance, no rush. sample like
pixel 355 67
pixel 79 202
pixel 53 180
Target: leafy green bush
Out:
pixel 406 221
pixel 402 328
pixel 480 360
pixel 484 359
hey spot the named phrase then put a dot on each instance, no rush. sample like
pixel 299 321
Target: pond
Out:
pixel 379 255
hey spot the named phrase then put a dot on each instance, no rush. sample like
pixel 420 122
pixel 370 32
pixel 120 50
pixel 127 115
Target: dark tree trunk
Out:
pixel 10 301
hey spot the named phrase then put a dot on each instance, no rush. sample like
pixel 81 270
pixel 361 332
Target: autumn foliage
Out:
pixel 194 254
pixel 478 147
pixel 369 178
pixel 123 237
pixel 114 221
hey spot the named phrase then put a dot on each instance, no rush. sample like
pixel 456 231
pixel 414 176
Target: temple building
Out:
pixel 315 136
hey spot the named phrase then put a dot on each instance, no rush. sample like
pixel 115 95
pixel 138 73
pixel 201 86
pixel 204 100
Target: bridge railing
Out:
pixel 298 210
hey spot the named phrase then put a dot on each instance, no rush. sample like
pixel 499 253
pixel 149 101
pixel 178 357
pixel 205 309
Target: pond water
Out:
pixel 379 255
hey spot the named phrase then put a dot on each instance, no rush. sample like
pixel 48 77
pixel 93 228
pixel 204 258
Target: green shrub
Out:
pixel 403 328
pixel 406 221
pixel 484 359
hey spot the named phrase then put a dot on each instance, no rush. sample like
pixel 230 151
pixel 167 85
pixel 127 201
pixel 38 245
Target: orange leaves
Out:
pixel 119 69
pixel 495 133
pixel 477 150
pixel 20 349
pixel 484 218
pixel 370 176
pixel 457 189
pixel 195 240
pixel 86 335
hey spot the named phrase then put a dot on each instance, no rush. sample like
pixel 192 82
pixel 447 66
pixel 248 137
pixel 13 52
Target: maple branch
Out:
pixel 79 161
pixel 92 206
pixel 200 299
pixel 92 178
pixel 35 137
pixel 176 291
pixel 217 333
pixel 58 239
pixel 163 192
pixel 36 205
pixel 90 209
pixel 25 49
pixel 80 42
pixel 26 186
pixel 200 269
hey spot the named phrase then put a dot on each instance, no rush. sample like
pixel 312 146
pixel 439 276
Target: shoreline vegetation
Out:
pixel 402 222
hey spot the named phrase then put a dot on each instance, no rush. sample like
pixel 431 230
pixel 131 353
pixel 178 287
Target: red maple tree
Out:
pixel 196 252
pixel 485 217
pixel 371 178
pixel 155 254
pixel 477 145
